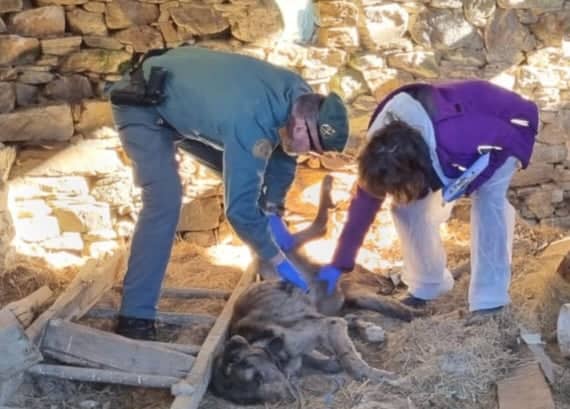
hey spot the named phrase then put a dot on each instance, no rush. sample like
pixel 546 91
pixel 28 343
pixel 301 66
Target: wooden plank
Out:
pixel 191 390
pixel 188 349
pixel 26 309
pixel 563 330
pixel 102 376
pixel 94 278
pixel 525 389
pixel 534 344
pixel 189 293
pixel 16 351
pixel 77 344
pixel 173 318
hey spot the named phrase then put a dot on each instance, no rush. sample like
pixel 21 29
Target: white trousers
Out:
pixel 492 229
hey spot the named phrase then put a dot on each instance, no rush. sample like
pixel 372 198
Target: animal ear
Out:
pixel 233 347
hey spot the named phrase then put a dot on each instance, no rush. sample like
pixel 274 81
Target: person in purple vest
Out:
pixel 428 145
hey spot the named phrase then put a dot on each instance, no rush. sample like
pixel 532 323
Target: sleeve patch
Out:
pixel 262 149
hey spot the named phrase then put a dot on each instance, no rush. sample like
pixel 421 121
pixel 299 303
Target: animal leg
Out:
pixel 321 362
pixel 339 342
pixel 368 300
pixel 318 227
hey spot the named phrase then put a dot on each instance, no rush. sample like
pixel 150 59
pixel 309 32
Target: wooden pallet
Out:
pixel 91 355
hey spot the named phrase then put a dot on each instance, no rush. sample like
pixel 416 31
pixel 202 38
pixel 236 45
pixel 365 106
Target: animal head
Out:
pixel 249 374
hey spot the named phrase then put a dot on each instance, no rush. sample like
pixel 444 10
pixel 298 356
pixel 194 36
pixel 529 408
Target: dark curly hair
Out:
pixel 395 161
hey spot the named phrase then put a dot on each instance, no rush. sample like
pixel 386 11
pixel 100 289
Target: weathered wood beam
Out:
pixel 27 308
pixel 102 376
pixel 525 389
pixel 189 293
pixel 563 330
pixel 190 391
pixel 188 349
pixel 94 278
pixel 173 318
pixel 80 345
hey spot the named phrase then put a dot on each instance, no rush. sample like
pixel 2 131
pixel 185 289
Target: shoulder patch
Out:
pixel 262 149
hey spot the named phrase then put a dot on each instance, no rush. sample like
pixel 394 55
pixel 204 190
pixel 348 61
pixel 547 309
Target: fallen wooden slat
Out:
pixel 525 389
pixel 188 293
pixel 80 345
pixel 16 351
pixel 173 318
pixel 535 345
pixel 26 309
pixel 196 383
pixel 563 330
pixel 94 278
pixel 102 376
pixel 188 349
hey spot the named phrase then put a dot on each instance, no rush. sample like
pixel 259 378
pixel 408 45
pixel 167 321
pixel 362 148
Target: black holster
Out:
pixel 137 91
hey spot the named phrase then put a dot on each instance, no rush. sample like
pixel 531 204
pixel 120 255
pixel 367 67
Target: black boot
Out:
pixel 413 302
pixel 136 328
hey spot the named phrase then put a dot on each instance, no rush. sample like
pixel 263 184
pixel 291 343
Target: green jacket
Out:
pixel 236 103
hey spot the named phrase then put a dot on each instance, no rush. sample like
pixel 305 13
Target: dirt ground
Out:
pixel 445 364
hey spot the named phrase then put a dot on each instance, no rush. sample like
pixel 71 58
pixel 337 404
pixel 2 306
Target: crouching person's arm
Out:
pixel 244 169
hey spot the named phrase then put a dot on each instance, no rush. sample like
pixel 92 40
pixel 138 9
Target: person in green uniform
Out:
pixel 241 116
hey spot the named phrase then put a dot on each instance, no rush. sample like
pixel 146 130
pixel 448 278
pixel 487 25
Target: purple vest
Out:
pixel 469 114
pixel 465 115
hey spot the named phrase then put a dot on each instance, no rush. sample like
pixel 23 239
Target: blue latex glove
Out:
pixel 289 273
pixel 284 239
pixel 330 275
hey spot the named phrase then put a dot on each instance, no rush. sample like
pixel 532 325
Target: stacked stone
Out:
pixel 56 57
pixel 71 202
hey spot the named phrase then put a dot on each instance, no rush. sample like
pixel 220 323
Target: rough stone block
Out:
pixel 26 95
pixel 16 50
pixel 39 22
pixel 81 217
pixel 200 214
pixel 125 13
pixel 88 157
pixel 338 37
pixel 61 46
pixel 37 229
pixel 141 38
pixel 94 115
pixel 95 60
pixel 71 88
pixel 10 6
pixel 86 23
pixel 199 19
pixel 46 123
pixel 7 97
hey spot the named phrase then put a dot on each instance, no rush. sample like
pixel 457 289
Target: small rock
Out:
pixel 370 332
pixel 16 50
pixel 86 23
pixel 10 6
pixel 26 95
pixel 88 404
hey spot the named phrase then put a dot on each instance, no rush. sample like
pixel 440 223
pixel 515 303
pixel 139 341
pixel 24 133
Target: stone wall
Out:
pixel 56 56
